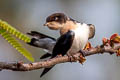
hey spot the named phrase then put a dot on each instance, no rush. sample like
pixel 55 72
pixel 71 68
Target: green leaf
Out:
pixel 7 27
pixel 16 44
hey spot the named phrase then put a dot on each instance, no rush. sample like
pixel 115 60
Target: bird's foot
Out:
pixel 82 52
pixel 72 58
pixel 69 57
pixel 82 56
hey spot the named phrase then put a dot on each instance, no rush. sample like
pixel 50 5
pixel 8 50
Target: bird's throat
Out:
pixel 69 25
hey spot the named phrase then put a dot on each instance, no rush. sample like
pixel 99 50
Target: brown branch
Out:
pixel 19 66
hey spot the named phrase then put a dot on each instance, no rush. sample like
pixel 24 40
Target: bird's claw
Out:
pixel 82 52
pixel 72 58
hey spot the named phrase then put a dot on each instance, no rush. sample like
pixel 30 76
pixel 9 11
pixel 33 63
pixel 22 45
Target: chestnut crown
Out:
pixel 57 17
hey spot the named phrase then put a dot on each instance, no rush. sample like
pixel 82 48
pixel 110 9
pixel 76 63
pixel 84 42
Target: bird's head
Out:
pixel 56 21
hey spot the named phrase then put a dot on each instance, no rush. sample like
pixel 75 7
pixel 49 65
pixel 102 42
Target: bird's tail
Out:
pixel 35 34
pixel 46 70
pixel 45 56
pixel 39 35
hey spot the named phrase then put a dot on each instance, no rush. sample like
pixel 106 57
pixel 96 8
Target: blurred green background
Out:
pixel 27 15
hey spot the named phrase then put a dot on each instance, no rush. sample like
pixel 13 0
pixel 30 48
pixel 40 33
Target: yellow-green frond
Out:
pixel 14 31
pixel 16 44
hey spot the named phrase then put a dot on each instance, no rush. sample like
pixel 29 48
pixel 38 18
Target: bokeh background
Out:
pixel 27 15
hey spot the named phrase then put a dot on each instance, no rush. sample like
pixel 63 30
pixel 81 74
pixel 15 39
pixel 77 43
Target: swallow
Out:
pixel 83 32
pixel 79 34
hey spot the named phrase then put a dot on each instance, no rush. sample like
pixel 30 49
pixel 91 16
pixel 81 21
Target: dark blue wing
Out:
pixel 62 45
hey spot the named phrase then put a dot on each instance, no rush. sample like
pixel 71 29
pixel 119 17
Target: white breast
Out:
pixel 81 38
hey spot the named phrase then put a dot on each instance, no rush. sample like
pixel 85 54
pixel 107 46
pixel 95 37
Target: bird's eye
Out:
pixel 56 18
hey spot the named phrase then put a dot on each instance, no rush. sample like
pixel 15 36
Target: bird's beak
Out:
pixel 46 24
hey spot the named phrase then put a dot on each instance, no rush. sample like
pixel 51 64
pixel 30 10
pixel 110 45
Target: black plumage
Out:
pixel 62 46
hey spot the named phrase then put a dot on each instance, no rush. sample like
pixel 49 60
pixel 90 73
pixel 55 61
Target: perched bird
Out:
pixel 74 35
pixel 83 32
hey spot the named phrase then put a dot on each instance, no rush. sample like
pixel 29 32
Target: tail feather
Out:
pixel 35 34
pixel 45 56
pixel 40 35
pixel 46 70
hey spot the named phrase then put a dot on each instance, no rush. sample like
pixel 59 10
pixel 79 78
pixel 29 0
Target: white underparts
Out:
pixel 81 38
